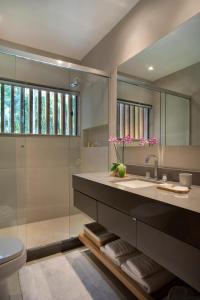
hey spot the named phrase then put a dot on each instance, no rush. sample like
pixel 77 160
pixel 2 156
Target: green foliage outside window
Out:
pixel 25 110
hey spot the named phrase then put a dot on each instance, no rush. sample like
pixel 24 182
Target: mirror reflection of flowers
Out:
pixel 150 141
pixel 118 168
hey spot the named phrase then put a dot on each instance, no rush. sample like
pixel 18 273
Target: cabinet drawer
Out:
pixel 86 204
pixel 117 222
pixel 178 257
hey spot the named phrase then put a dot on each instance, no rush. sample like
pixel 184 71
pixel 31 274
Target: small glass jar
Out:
pixel 164 178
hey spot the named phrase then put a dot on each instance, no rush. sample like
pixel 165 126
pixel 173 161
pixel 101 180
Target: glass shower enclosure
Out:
pixel 54 123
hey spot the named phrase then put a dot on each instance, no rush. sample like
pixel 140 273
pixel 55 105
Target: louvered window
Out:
pixel 27 109
pixel 133 119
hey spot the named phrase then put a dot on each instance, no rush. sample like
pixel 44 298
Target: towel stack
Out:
pixel 98 234
pixel 119 251
pixel 149 275
pixel 146 272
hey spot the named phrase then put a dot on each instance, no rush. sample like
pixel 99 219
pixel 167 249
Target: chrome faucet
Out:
pixel 155 164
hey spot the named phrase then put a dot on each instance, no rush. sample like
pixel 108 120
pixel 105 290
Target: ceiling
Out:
pixel 66 27
pixel 172 53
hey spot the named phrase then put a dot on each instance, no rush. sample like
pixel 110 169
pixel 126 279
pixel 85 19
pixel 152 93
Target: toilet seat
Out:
pixel 10 248
pixel 12 257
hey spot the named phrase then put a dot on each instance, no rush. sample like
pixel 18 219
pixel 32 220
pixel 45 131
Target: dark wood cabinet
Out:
pixel 119 223
pixel 86 204
pixel 178 257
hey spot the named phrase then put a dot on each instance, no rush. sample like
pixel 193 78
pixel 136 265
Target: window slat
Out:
pixel 146 122
pixel 31 111
pixel 26 110
pixel 141 123
pixel 43 112
pixel 63 113
pixel 121 131
pixel 67 115
pixel 51 113
pixel 56 112
pixel 47 111
pixel 17 109
pixel 74 115
pixel 2 108
pixel 7 108
pixel 12 109
pixel 132 121
pixel 35 111
pixel 22 110
pixel 39 112
pixel 59 114
pixel 127 120
pixel 70 114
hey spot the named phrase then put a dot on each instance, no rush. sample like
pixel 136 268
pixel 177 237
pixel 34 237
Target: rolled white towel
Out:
pixel 152 283
pixel 118 248
pixel 117 260
pixel 143 266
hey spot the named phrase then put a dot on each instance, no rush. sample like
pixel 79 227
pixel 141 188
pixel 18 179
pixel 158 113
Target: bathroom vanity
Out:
pixel 163 225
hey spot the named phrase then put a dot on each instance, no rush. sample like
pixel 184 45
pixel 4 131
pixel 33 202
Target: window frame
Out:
pixel 31 86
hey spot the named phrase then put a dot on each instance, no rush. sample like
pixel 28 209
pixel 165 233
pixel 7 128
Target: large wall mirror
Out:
pixel 159 89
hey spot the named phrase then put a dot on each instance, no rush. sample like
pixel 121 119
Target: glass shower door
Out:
pixel 12 155
pixel 89 151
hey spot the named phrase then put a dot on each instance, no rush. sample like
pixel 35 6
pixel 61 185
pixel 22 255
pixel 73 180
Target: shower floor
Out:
pixel 46 232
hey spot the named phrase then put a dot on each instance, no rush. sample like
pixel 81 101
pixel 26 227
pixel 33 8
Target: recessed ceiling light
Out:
pixel 150 68
pixel 60 62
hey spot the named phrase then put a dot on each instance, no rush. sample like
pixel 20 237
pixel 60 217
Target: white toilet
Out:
pixel 12 258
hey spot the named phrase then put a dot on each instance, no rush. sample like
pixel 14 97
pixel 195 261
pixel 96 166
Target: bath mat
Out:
pixel 76 275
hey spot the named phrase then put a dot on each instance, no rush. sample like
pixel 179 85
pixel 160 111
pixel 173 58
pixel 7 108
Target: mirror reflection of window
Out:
pixel 133 119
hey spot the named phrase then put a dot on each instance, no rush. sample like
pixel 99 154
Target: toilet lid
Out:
pixel 10 248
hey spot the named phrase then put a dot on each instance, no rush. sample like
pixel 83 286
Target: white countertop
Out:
pixel 189 201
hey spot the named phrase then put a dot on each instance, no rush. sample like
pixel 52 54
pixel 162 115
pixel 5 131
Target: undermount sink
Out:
pixel 136 183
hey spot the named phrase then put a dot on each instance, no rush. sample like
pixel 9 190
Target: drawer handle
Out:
pixel 134 219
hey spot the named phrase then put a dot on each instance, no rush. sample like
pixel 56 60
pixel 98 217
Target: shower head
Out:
pixel 75 83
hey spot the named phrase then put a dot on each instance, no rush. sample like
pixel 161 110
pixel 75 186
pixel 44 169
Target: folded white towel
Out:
pixel 143 266
pixel 152 283
pixel 118 248
pixel 120 259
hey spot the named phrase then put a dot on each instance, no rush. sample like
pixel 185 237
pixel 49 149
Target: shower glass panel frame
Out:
pixel 176 120
pixel 38 165
pixel 12 200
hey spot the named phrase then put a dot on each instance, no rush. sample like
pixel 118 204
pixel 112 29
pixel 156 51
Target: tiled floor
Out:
pixel 48 231
pixel 75 275
pixel 14 288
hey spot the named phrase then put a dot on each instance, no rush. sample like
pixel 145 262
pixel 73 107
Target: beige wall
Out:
pixel 35 177
pixel 144 25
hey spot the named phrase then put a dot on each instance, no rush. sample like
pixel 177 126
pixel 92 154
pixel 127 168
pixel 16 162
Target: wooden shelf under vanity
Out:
pixel 125 279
